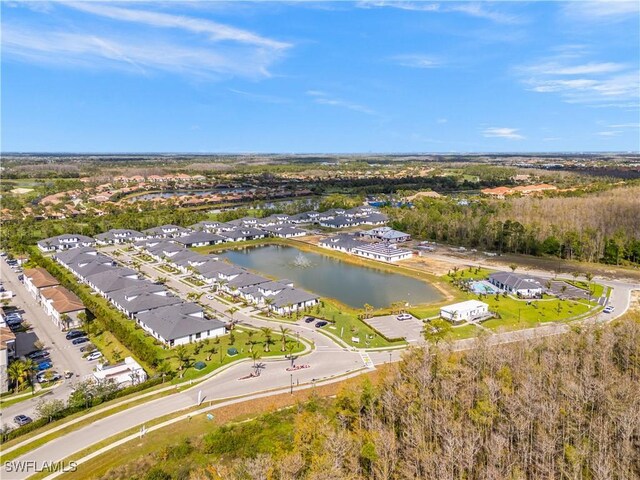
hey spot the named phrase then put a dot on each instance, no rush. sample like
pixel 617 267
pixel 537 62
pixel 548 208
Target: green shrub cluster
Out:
pixel 107 317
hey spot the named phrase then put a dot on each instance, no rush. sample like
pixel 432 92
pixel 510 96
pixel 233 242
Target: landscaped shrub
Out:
pixel 107 317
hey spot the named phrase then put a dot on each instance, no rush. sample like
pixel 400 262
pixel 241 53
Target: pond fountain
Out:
pixel 301 261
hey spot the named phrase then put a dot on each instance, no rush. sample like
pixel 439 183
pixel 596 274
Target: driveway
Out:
pixel 64 355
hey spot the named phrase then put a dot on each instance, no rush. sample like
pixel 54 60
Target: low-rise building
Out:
pixel 7 352
pixel 383 252
pixel 65 242
pixel 124 374
pixel 525 286
pixel 62 306
pixel 180 324
pixel 465 311
pixel 37 279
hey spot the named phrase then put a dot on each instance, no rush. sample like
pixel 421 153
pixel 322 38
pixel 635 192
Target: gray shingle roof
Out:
pixel 175 321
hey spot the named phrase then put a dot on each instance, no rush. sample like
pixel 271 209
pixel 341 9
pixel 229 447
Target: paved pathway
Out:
pixel 64 355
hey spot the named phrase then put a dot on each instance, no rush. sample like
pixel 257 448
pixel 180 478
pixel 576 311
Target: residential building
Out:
pixel 62 306
pixel 180 324
pixel 383 252
pixel 523 285
pixel 36 279
pixel 65 242
pixel 7 352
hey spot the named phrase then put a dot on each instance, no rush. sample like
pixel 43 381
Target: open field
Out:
pixel 272 412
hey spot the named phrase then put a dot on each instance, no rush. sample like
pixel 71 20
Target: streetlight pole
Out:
pixel 389 357
pixel 291 384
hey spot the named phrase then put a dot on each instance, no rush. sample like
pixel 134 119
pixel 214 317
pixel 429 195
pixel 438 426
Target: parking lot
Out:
pixel 62 353
pixel 391 327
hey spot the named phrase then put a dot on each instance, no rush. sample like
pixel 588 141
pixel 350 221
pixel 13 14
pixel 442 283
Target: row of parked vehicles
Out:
pixel 319 323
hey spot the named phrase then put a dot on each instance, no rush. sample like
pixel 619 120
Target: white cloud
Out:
pixel 474 9
pixel 603 10
pixel 502 132
pixel 625 125
pixel 608 134
pixel 259 97
pixel 131 54
pixel 442 120
pixel 215 31
pixel 578 80
pixel 212 50
pixel 323 98
pixel 416 61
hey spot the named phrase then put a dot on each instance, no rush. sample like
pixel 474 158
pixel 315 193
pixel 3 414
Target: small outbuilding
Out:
pixel 465 311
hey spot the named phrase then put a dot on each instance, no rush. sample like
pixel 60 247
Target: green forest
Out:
pixel 566 407
pixel 602 227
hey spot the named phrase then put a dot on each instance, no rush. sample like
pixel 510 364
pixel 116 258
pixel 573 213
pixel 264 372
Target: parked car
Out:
pixel 22 420
pixel 404 316
pixel 609 309
pixel 48 377
pixel 88 348
pixel 94 356
pixel 74 334
pixel 68 374
pixel 46 365
pixel 78 341
pixel 38 355
pixel 321 323
pixel 309 320
pixel 209 297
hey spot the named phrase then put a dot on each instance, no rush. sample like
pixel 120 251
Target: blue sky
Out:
pixel 294 77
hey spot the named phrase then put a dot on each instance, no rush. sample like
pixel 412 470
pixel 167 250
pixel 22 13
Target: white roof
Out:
pixel 465 306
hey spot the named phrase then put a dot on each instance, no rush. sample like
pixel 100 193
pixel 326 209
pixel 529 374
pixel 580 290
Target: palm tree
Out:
pixel 66 321
pixel 267 332
pixel 284 331
pixel 183 356
pixel 17 373
pixel 250 334
pixel 513 267
pixel 269 304
pixel 367 310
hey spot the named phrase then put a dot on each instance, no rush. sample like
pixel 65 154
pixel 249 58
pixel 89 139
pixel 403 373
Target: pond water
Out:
pixel 326 276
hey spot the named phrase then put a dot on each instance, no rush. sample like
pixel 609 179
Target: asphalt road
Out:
pixel 63 354
pixel 327 361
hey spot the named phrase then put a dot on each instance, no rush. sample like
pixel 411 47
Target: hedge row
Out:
pixel 95 401
pixel 107 317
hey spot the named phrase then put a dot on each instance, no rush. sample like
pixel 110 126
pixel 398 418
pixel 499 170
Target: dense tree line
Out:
pixel 103 314
pixel 566 407
pixel 600 227
pixel 18 235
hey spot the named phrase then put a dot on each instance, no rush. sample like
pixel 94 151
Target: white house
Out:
pixel 58 302
pixel 522 285
pixel 383 252
pixel 464 311
pixel 124 374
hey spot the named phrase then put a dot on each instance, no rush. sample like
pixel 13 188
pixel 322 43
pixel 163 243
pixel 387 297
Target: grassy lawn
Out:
pixel 346 322
pixel 516 314
pixel 464 331
pixel 168 269
pixel 144 257
pixel 196 282
pixel 21 397
pixel 249 427
pixel 214 353
pixel 111 347
pixel 470 273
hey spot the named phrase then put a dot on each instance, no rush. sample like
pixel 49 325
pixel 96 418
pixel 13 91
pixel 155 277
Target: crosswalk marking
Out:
pixel 366 359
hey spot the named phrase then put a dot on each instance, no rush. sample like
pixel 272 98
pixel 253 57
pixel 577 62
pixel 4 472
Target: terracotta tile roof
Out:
pixel 63 300
pixel 6 336
pixel 40 278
